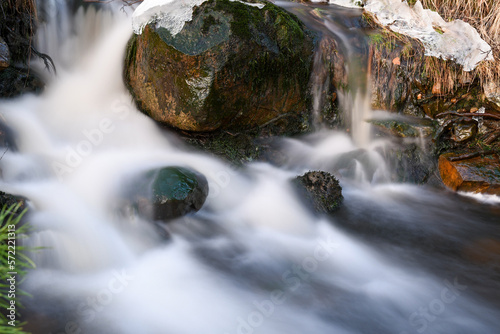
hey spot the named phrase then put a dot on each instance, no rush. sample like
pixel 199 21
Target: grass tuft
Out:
pixel 484 15
pixel 10 219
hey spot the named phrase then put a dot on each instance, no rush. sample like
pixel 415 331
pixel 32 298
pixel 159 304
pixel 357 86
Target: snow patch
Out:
pixel 455 40
pixel 169 14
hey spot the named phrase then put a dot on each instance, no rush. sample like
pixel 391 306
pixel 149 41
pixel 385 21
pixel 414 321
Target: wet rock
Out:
pixel 7 138
pixel 15 81
pixel 480 174
pixel 167 193
pixel 405 80
pixel 321 189
pixel 405 127
pixel 4 55
pixel 463 131
pixel 492 93
pixel 234 66
pixel 410 162
pixel 9 200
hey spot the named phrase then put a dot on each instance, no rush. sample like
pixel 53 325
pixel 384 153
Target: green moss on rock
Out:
pixel 234 67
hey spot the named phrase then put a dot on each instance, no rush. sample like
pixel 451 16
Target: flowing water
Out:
pixel 395 259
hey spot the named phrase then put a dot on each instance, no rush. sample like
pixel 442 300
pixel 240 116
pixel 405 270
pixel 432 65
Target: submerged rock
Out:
pixel 234 66
pixel 321 189
pixel 167 193
pixel 480 174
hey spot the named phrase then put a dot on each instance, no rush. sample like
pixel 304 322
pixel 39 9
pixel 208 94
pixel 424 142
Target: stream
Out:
pixel 395 259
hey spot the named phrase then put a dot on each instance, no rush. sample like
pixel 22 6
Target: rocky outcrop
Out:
pixel 476 174
pixel 321 189
pixel 167 193
pixel 405 80
pixel 232 67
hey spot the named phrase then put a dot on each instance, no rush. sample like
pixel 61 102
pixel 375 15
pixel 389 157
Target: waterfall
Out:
pixel 255 258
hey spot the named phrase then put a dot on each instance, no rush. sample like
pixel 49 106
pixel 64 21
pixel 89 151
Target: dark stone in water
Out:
pixel 15 81
pixel 167 193
pixel 7 140
pixel 321 189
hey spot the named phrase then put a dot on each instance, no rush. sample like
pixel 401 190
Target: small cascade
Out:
pixel 341 24
pixel 54 27
pixel 319 87
pixel 355 100
pixel 61 20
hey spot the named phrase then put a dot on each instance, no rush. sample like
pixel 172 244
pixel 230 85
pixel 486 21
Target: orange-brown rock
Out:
pixel 479 174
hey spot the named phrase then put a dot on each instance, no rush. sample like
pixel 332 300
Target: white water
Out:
pixel 221 272
pixel 354 101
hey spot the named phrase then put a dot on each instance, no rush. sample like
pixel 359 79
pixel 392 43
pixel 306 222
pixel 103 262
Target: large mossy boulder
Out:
pixel 232 67
pixel 167 193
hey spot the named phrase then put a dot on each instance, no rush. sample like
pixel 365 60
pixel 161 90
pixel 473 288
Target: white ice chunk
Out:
pixel 169 14
pixel 258 5
pixel 345 3
pixel 455 40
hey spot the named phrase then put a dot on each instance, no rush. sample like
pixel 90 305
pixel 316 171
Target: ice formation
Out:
pixel 455 40
pixel 344 3
pixel 169 14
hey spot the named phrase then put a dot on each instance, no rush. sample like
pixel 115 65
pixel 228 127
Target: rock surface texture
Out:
pixel 478 174
pixel 321 189
pixel 167 193
pixel 233 66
